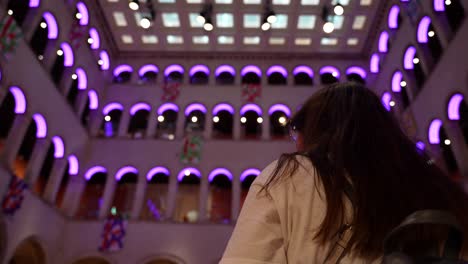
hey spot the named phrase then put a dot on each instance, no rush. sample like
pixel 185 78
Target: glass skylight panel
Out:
pixel 306 22
pixel 310 2
pixel 252 2
pixel 281 2
pixel 302 41
pixel 225 40
pixel 223 1
pixel 225 20
pixel 329 41
pixel 174 39
pixel 171 19
pixel 281 21
pixel 252 21
pixel 119 19
pixel 251 40
pixel 352 41
pixel 149 39
pixel 366 2
pixel 338 21
pixel 201 40
pixel 193 20
pixel 341 2
pixel 112 1
pixel 194 1
pixel 359 22
pixel 127 39
pixel 276 41
pixel 167 1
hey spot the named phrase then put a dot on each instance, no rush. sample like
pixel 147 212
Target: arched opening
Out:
pixel 94 40
pixel 399 89
pixel 91 198
pixel 155 202
pixel 57 69
pixel 384 44
pixel 251 121
pixel 85 115
pixel 412 64
pixel 127 178
pixel 438 136
pixel 80 82
pixel 457 110
pixel 123 74
pixel 251 74
pixel 70 170
pixel 7 117
pixel 356 74
pixel 223 121
pixel 20 9
pixel 387 101
pixel 279 115
pixel 29 251
pixel 464 120
pixel 303 75
pixel 91 260
pixel 394 18
pixel 199 75
pixel 277 75
pixel 139 120
pixel 454 12
pixel 429 40
pixel 167 121
pixel 148 73
pixel 188 196
pixel 174 73
pixel 44 173
pixel 46 29
pixel 195 118
pixel 73 92
pixel 329 75
pixel 25 151
pixel 225 75
pixel 247 178
pixel 220 196
pixel 111 121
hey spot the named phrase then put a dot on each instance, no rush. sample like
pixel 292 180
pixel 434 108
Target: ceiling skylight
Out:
pixel 119 19
pixel 193 20
pixel 302 41
pixel 194 1
pixel 366 2
pixel 276 41
pixel 352 41
pixel 149 39
pixel 281 21
pixel 329 41
pixel 226 40
pixel 201 40
pixel 341 2
pixel 310 2
pixel 167 1
pixel 281 2
pixel 171 19
pixel 252 21
pixel 306 22
pixel 359 22
pixel 252 2
pixel 338 21
pixel 127 39
pixel 251 40
pixel 174 39
pixel 223 1
pixel 225 20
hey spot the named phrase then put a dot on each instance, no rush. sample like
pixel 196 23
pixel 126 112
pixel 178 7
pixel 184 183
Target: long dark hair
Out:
pixel 350 137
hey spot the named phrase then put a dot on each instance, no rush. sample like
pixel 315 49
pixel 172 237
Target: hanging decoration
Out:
pixel 171 91
pixel 113 233
pixel 14 196
pixel 251 93
pixel 10 34
pixel 191 150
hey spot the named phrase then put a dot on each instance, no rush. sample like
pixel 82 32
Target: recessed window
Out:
pixel 251 40
pixel 310 2
pixel 341 2
pixel 302 41
pixel 223 40
pixel 359 22
pixel 127 39
pixel 352 41
pixel 281 21
pixel 119 19
pixel 252 2
pixel 223 1
pixel 224 20
pixel 277 41
pixel 201 39
pixel 171 19
pixel 338 21
pixel 306 22
pixel 149 39
pixel 167 1
pixel 281 2
pixel 329 41
pixel 366 2
pixel 252 21
pixel 174 39
pixel 194 1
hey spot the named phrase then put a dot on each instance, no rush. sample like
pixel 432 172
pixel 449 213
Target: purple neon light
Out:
pixel 439 6
pixel 248 172
pixel 20 100
pixel 304 69
pixel 225 68
pixel 277 68
pixel 386 98
pixel 105 60
pixel 73 165
pixel 251 68
pixel 59 147
pixel 173 68
pixel 193 171
pixel 219 171
pixel 383 42
pixel 93 100
pixel 125 170
pixel 82 79
pixel 420 145
pixel 357 70
pixel 157 170
pixel 92 171
pixel 251 107
pixel 433 132
pixel 94 34
pixel 408 58
pixel 193 107
pixel 147 68
pixel 199 68
pixel 167 106
pixel 122 68
pixel 34 3
pixel 68 53
pixel 84 13
pixel 112 106
pixel 393 17
pixel 330 69
pixel 221 107
pixel 280 107
pixel 41 125
pixel 396 81
pixel 453 108
pixel 423 28
pixel 51 25
pixel 374 63
pixel 139 106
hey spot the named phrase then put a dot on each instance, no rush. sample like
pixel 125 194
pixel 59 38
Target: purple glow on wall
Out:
pixel 20 99
pixel 147 68
pixel 277 68
pixel 93 100
pixel 383 42
pixel 423 28
pixel 193 107
pixel 157 170
pixel 34 3
pixel 386 98
pixel 357 70
pixel 59 147
pixel 94 170
pixel 82 79
pixel 420 145
pixel 393 17
pixel 408 58
pixel 73 165
pixel 139 106
pixel 280 107
pixel 173 68
pixel 330 69
pixel 84 13
pixel 396 81
pixel 124 170
pixel 453 109
pixel 68 54
pixel 41 125
pixel 122 68
pixel 104 57
pixel 193 171
pixel 52 26
pixel 439 6
pixel 248 172
pixel 433 132
pixel 251 107
pixel 251 68
pixel 167 106
pixel 110 107
pixel 225 68
pixel 305 69
pixel 199 68
pixel 94 34
pixel 374 63
pixel 221 107
pixel 219 171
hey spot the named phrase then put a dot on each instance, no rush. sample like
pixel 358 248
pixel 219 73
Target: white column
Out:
pixel 207 133
pixel 171 197
pixel 458 146
pixel 38 156
pixel 266 127
pixel 55 179
pixel 180 125
pixel 152 122
pixel 108 196
pixel 204 192
pixel 237 126
pixel 139 197
pixel 236 192
pixel 72 198
pixel 124 123
pixel 15 138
